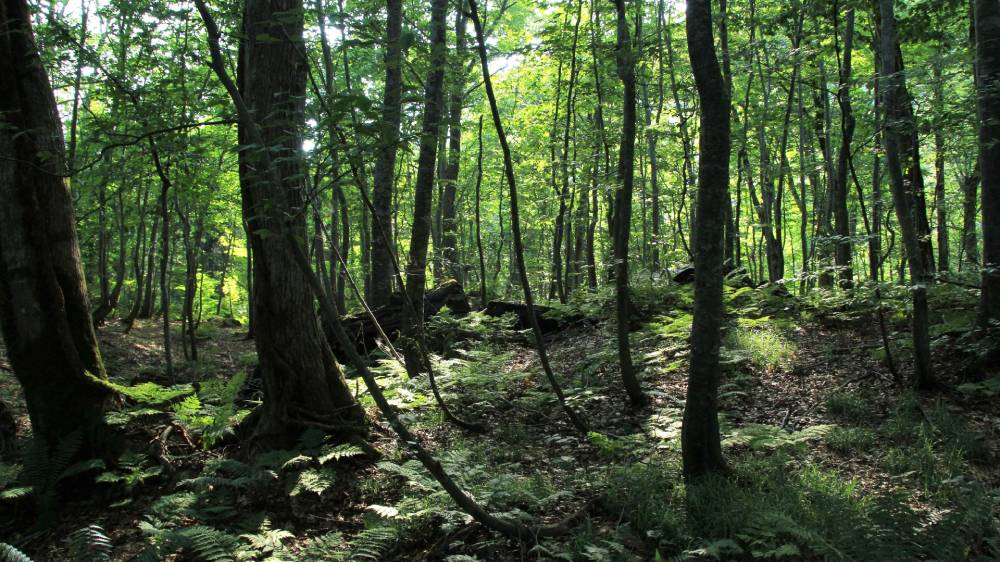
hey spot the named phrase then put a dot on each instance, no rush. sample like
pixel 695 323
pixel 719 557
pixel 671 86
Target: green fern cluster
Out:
pixel 44 467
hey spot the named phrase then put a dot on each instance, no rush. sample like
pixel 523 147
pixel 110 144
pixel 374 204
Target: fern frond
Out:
pixel 338 452
pixel 10 554
pixel 330 547
pixel 412 471
pixel 315 481
pixel 374 543
pixel 90 544
pixel 13 494
pixel 207 544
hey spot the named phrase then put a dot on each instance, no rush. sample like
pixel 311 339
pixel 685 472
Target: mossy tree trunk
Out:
pixel 44 309
pixel 303 383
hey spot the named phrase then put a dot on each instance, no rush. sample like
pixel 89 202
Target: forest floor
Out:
pixel 830 460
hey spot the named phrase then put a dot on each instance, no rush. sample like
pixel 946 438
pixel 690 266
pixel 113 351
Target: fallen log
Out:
pixel 548 323
pixel 364 334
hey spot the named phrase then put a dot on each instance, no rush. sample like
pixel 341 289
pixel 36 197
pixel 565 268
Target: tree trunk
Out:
pixel 164 260
pixel 899 130
pixel 515 221
pixel 416 267
pixel 385 160
pixel 479 233
pixel 623 206
pixel 702 449
pixel 44 309
pixel 449 242
pixel 940 205
pixel 970 237
pixel 838 191
pixel 988 90
pixel 302 381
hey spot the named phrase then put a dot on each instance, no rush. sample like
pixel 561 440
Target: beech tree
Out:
pixel 702 449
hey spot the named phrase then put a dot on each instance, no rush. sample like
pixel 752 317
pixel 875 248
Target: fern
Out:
pixel 325 548
pixel 412 471
pixel 151 393
pixel 338 452
pixel 266 540
pixel 90 544
pixel 374 543
pixel 205 543
pixel 133 471
pixel 315 481
pixel 10 554
pixel 44 467
pixel 762 436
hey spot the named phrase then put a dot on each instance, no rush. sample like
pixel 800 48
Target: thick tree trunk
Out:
pixel 302 381
pixel 988 95
pixel 700 442
pixel 385 159
pixel 899 127
pixel 44 310
pixel 416 267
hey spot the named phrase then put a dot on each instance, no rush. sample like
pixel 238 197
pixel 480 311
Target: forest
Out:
pixel 472 280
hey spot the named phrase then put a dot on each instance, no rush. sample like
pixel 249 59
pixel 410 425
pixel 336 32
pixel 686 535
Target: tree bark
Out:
pixel 479 233
pixel 623 205
pixel 838 191
pixel 301 378
pixel 940 202
pixel 700 441
pixel 449 241
pixel 44 309
pixel 899 130
pixel 416 267
pixel 385 160
pixel 988 95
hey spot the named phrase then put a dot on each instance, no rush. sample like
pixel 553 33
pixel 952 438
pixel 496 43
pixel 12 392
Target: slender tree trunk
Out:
pixel 479 233
pixel 732 237
pixel 44 310
pixel 970 200
pixel 385 159
pixel 563 192
pixel 164 260
pixel 899 127
pixel 940 204
pixel 875 237
pixel 515 222
pixel 138 257
pixel 416 267
pixel 988 90
pixel 623 205
pixel 838 190
pixel 700 441
pixel 449 242
pixel 146 308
